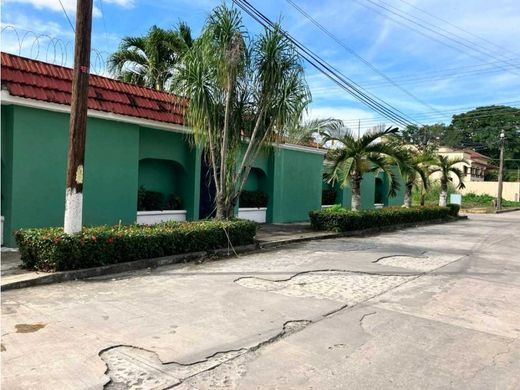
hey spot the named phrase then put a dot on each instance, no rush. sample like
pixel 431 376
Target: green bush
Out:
pixel 454 209
pixel 328 197
pixel 154 200
pixel 253 199
pixel 342 220
pixel 50 249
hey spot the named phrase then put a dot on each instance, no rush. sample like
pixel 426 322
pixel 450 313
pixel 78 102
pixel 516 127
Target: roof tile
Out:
pixel 27 78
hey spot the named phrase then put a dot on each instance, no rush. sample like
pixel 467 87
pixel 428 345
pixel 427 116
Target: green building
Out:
pixel 135 138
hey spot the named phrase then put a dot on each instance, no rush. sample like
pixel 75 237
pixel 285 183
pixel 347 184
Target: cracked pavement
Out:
pixel 430 307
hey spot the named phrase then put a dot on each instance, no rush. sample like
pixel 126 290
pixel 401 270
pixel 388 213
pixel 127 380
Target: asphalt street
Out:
pixel 432 307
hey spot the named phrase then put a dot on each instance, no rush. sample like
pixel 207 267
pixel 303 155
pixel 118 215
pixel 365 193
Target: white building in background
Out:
pixel 477 164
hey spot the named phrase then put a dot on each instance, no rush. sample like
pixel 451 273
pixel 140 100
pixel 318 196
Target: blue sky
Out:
pixel 448 79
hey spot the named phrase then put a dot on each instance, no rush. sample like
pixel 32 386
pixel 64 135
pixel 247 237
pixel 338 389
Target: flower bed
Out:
pixel 341 220
pixel 50 249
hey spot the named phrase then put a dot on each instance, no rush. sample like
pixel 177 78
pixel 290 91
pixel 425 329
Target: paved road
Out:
pixel 432 307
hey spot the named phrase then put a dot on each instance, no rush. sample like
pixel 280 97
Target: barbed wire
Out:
pixel 44 47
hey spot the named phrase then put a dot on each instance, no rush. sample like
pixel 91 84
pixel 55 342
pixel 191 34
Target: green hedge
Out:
pixel 454 209
pixel 50 249
pixel 342 220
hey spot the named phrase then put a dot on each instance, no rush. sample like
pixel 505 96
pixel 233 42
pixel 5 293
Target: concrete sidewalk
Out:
pixel 268 236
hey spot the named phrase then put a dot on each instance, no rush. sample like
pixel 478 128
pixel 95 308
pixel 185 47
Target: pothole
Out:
pixel 135 368
pixel 418 263
pixel 342 286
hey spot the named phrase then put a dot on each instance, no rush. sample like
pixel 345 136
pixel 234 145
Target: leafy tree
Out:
pixel 480 129
pixel 427 137
pixel 447 169
pixel 149 60
pixel 240 92
pixel 355 157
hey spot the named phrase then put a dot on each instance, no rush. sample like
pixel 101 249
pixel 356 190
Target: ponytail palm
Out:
pixel 355 157
pixel 239 93
pixel 448 170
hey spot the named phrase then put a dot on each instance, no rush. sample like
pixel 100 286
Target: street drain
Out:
pixel 342 286
pixel 418 263
pixel 135 368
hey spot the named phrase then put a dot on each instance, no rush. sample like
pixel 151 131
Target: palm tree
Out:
pixel 240 91
pixel 355 157
pixel 149 60
pixel 414 171
pixel 447 169
pixel 307 131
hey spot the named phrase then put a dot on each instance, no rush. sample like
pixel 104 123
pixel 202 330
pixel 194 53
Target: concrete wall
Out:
pixel 34 163
pixel 295 185
pixel 510 190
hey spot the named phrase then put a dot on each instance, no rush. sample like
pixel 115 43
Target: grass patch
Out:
pixel 50 249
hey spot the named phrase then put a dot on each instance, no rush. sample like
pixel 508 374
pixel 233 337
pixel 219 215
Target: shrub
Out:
pixel 174 203
pixel 342 220
pixel 154 200
pixel 328 197
pixel 454 209
pixel 50 249
pixel 253 199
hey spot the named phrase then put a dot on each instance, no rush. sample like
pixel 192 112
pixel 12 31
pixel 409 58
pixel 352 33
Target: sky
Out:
pixel 444 56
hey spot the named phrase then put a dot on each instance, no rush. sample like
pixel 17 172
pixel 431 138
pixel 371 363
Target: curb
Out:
pixel 507 210
pixel 64 276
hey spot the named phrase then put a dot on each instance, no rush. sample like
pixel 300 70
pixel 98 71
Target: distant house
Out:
pixel 477 165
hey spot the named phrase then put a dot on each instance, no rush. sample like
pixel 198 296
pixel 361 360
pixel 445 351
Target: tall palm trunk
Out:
pixel 356 192
pixel 443 197
pixel 408 195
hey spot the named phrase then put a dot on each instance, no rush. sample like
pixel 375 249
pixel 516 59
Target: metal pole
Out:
pixel 78 119
pixel 501 170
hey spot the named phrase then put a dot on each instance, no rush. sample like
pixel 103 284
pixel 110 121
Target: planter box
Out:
pixel 379 205
pixel 154 217
pixel 327 206
pixel 253 213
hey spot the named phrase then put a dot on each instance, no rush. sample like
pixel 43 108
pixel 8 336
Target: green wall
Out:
pixel 163 176
pixel 34 152
pixel 296 184
pixel 368 189
pixel 168 146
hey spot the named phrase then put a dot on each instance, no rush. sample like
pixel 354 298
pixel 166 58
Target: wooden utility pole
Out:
pixel 501 170
pixel 78 119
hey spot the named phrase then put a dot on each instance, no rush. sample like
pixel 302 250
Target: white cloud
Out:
pixel 70 5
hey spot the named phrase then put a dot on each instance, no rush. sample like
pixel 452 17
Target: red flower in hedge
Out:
pixel 94 238
pixel 110 240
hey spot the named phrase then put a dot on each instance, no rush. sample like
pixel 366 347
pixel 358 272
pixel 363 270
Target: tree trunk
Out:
pixel 356 193
pixel 408 195
pixel 443 197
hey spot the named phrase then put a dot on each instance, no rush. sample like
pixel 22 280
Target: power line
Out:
pixel 359 57
pixel 500 47
pixel 480 115
pixel 422 32
pixel 450 34
pixel 351 87
pixel 67 16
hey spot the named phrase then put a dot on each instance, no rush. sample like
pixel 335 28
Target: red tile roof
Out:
pixel 474 153
pixel 27 78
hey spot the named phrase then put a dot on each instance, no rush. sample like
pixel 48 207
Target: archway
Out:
pixel 163 183
pixel 379 195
